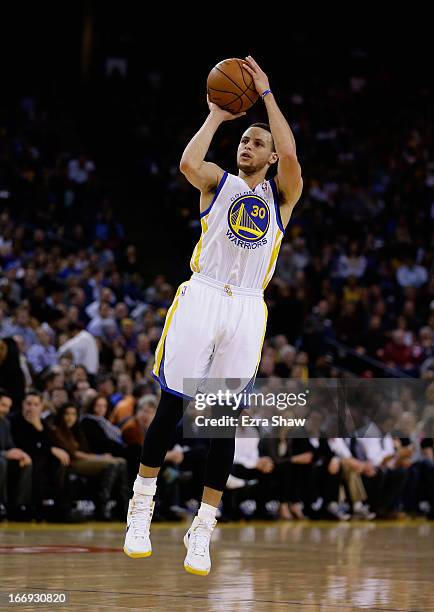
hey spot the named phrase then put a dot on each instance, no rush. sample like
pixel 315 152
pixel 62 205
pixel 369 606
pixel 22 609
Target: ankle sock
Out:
pixel 149 482
pixel 206 512
pixel 145 486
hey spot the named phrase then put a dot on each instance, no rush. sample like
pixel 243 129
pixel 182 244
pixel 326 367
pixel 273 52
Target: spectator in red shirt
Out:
pixel 396 353
pixel 133 432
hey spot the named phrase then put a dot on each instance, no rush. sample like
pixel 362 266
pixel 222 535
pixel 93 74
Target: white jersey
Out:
pixel 241 234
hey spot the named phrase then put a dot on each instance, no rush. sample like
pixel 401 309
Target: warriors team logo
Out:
pixel 249 218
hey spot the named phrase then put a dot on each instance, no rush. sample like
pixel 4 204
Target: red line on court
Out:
pixel 56 549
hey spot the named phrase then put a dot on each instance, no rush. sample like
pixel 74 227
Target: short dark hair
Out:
pixel 265 127
pixel 4 393
pixel 32 392
pixel 74 326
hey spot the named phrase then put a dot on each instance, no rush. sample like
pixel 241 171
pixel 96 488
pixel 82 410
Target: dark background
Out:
pixel 58 53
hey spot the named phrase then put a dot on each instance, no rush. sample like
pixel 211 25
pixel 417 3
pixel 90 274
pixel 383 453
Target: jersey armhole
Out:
pixel 219 188
pixel 276 205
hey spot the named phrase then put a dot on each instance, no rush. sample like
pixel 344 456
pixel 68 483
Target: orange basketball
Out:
pixel 231 87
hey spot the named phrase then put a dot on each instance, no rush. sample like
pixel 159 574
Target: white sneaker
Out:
pixel 197 540
pixel 362 511
pixel 336 512
pixel 140 509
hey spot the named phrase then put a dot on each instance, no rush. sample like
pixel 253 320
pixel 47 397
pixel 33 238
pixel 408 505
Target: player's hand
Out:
pixel 259 77
pixel 222 114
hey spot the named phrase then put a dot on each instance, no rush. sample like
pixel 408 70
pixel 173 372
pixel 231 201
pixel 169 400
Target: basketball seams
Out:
pixel 224 91
pixel 228 77
pixel 244 81
pixel 248 85
pixel 237 103
pixel 236 99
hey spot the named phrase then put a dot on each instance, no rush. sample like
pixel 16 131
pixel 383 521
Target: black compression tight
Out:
pixel 161 432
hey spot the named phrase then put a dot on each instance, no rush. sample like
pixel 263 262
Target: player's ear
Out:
pixel 273 159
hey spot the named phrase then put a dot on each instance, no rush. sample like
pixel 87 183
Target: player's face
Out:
pixel 255 150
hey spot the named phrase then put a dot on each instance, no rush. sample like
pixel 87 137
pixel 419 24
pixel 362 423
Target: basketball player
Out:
pixel 215 326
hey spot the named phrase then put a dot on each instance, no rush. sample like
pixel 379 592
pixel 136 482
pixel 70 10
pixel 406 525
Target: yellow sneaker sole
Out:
pixel 134 555
pixel 197 572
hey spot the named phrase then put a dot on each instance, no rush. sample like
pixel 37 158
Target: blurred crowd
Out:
pixel 80 317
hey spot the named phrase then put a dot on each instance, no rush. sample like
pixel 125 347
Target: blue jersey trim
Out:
pixel 161 370
pixel 166 388
pixel 219 188
pixel 276 204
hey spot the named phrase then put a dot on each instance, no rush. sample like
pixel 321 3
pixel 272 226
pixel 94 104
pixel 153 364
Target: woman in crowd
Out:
pixel 67 434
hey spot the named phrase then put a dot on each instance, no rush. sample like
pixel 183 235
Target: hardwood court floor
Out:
pixel 260 567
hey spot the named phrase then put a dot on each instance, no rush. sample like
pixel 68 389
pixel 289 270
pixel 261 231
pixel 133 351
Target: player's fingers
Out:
pixel 247 67
pixel 254 62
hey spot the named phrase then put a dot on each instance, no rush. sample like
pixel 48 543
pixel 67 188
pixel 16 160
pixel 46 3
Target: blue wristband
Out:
pixel 264 93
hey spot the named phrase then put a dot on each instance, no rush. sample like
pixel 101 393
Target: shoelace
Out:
pixel 141 517
pixel 200 539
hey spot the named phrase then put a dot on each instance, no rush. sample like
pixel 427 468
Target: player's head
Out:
pixel 256 150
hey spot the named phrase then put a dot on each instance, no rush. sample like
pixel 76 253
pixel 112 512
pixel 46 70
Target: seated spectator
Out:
pixel 103 436
pixel 143 351
pixel 100 320
pixel 410 274
pixel 134 429
pixel 315 475
pixel 351 470
pixel 15 470
pixel 42 354
pixel 419 485
pixel 22 326
pixel 50 463
pixel 123 411
pixel 386 483
pixel 78 392
pixel 396 353
pixel 124 386
pixel 286 360
pixel 248 466
pixel 111 475
pixel 352 264
pixel 287 493
pixel 372 340
pixel 50 380
pixel 424 348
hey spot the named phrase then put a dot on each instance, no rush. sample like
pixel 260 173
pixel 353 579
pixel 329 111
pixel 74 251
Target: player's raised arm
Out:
pixel 288 179
pixel 201 174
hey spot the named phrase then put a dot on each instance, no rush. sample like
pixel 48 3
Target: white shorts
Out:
pixel 212 332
